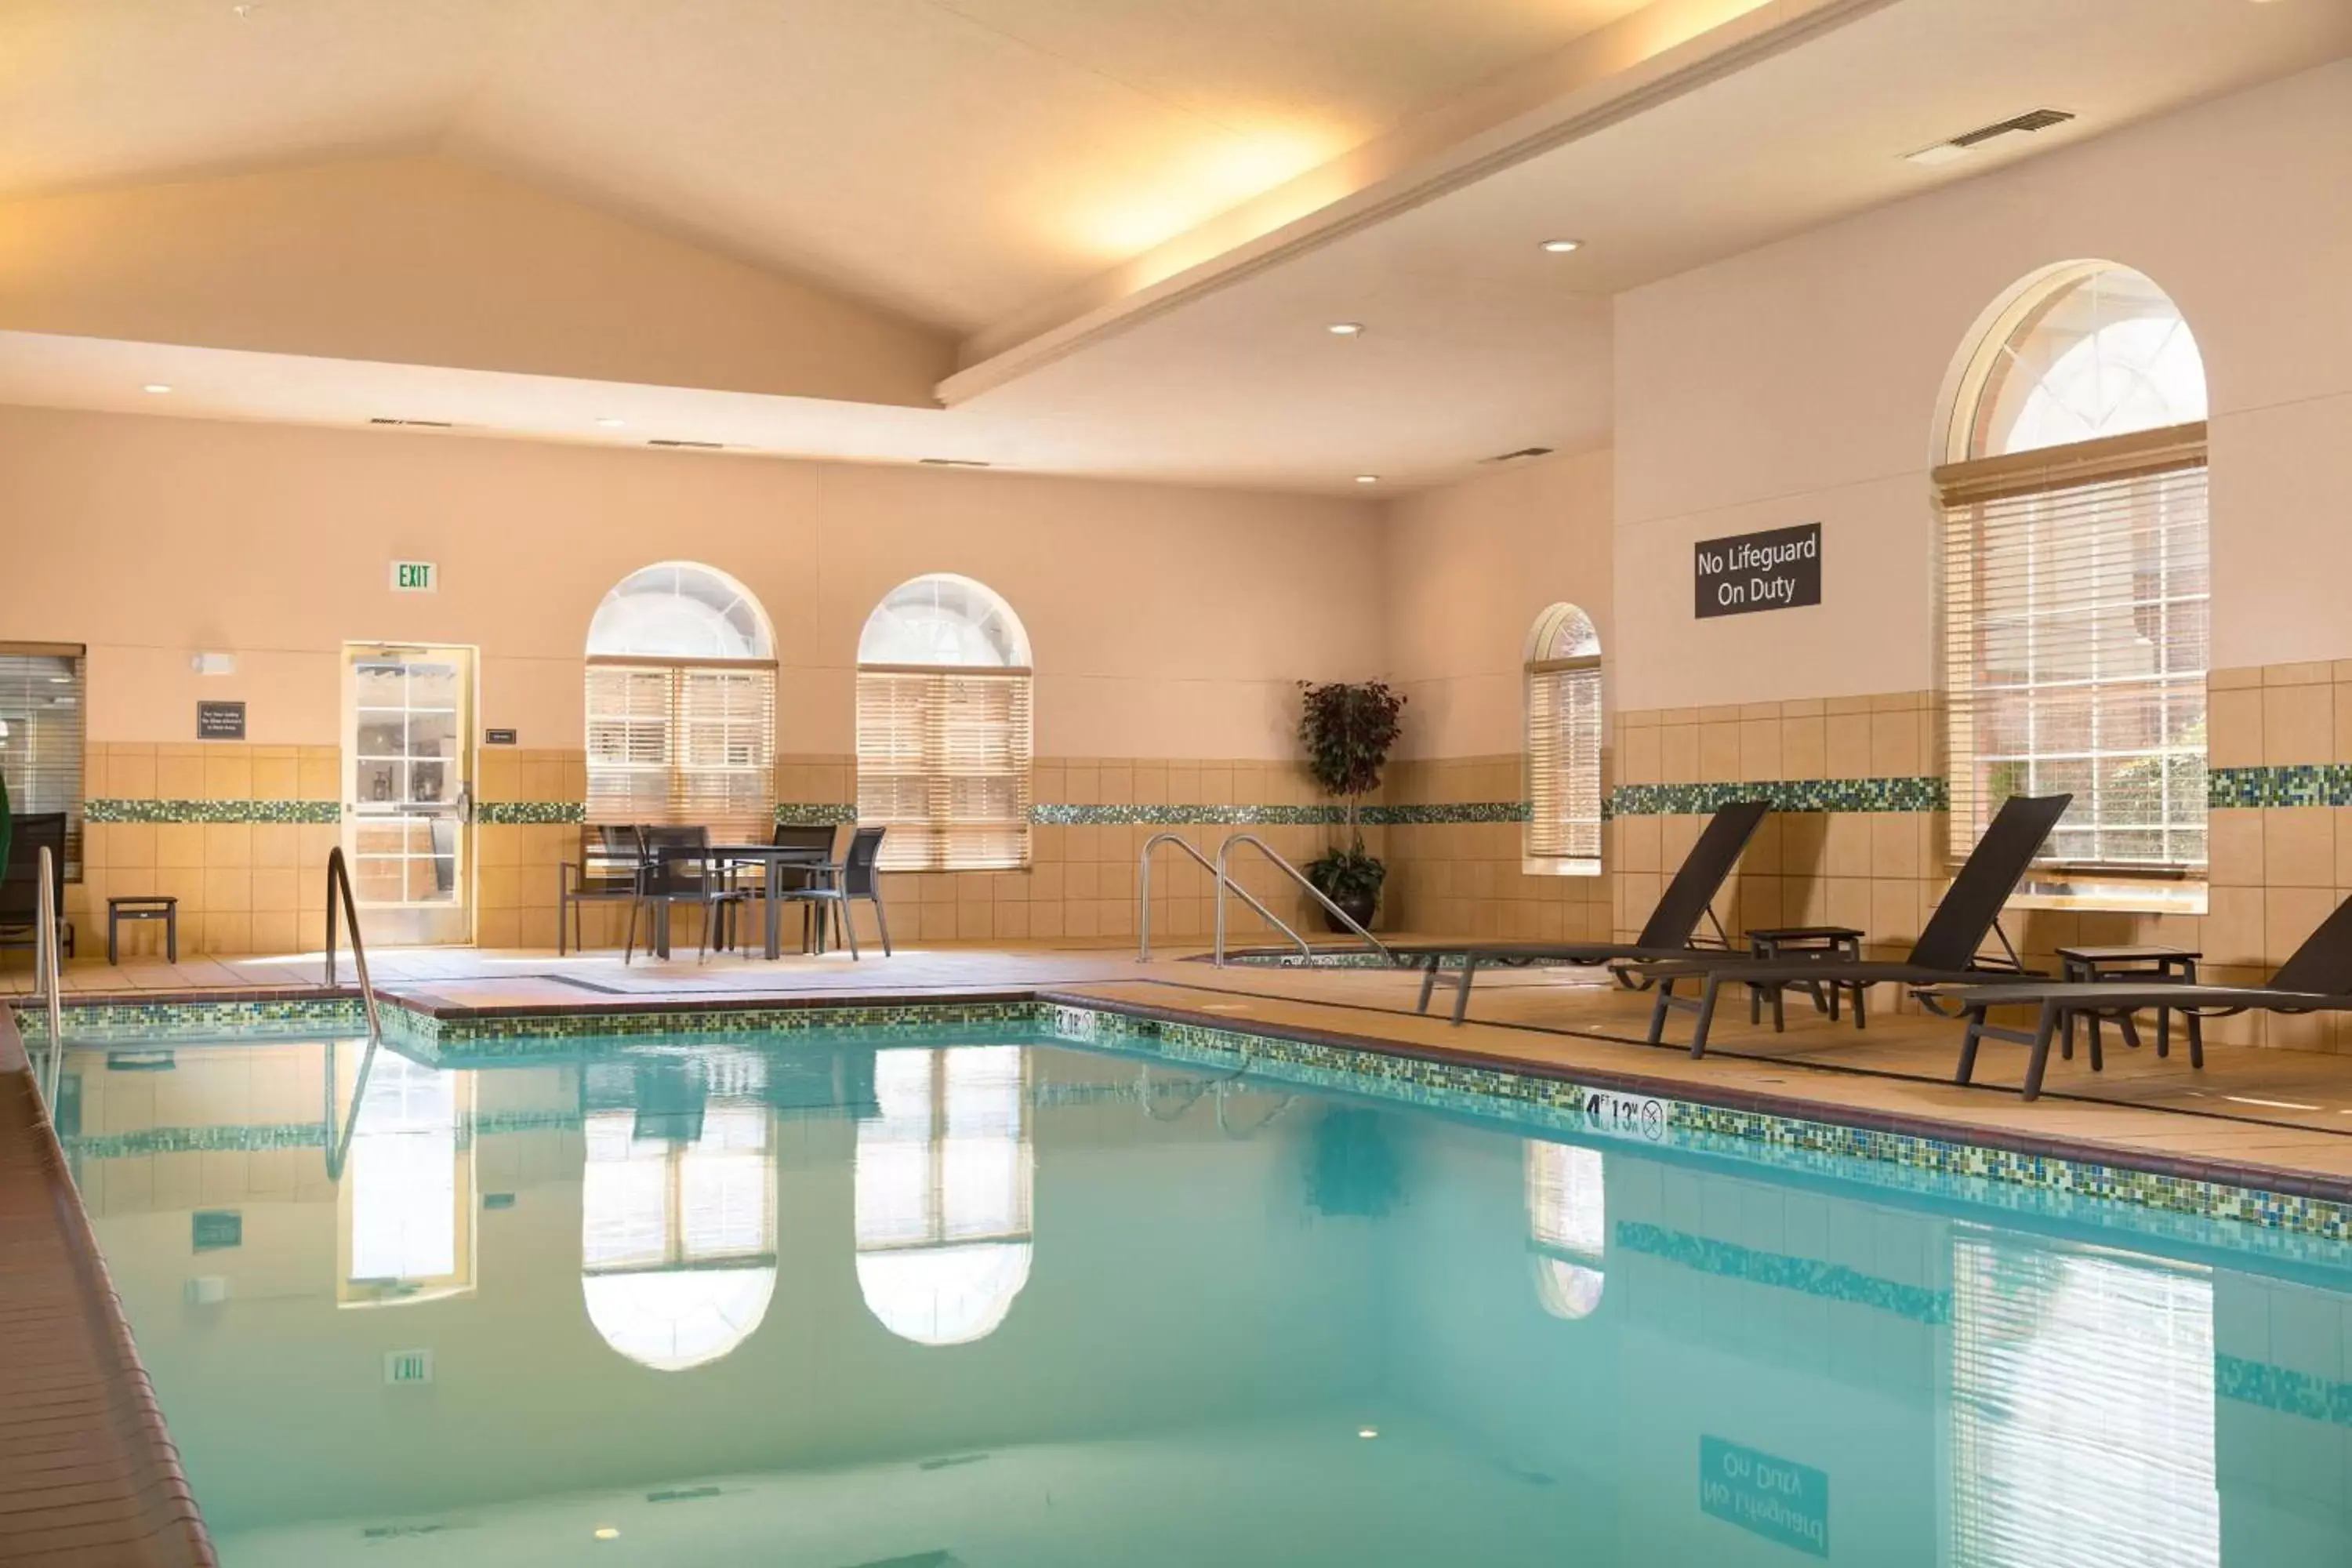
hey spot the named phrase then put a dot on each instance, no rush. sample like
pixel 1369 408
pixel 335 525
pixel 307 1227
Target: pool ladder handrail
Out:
pixel 1143 894
pixel 1224 881
pixel 339 880
pixel 46 971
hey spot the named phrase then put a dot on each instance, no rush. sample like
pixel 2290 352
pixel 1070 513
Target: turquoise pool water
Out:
pixel 1036 1292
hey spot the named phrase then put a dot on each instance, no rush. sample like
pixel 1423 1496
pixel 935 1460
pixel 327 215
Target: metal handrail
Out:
pixel 1143 894
pixel 338 878
pixel 44 965
pixel 1293 872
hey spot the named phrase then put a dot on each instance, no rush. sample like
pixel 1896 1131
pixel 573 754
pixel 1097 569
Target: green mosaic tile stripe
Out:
pixel 530 812
pixel 1916 793
pixel 1784 1271
pixel 523 1036
pixel 2313 783
pixel 2283 1389
pixel 803 814
pixel 1178 815
pixel 1461 810
pixel 141 1023
pixel 271 811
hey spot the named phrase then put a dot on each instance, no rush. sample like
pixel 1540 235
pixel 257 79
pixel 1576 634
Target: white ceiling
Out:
pixel 974 156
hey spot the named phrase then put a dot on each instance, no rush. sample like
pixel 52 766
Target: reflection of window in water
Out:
pixel 677 1243
pixel 407 1188
pixel 943 1184
pixel 2082 1409
pixel 1568 1226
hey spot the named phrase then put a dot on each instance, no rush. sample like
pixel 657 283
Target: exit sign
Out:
pixel 413 578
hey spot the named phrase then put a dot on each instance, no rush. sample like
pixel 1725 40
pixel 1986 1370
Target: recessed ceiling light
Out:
pixel 1368 479
pixel 155 386
pixel 1562 246
pixel 1345 329
pixel 612 424
pixel 606 1532
pixel 1367 1431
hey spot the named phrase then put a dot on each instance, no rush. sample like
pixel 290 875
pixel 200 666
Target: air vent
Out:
pixel 696 445
pixel 417 424
pixel 1523 452
pixel 2032 119
pixel 952 463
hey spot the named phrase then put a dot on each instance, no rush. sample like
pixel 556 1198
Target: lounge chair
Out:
pixel 2315 978
pixel 1946 952
pixel 1669 934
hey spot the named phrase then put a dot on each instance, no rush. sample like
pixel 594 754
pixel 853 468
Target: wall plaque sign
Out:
pixel 497 737
pixel 1777 570
pixel 220 720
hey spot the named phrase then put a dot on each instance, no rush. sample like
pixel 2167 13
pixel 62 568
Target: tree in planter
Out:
pixel 1347 730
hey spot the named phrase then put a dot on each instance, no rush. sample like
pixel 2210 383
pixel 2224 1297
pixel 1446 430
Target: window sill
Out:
pixel 2173 898
pixel 1566 865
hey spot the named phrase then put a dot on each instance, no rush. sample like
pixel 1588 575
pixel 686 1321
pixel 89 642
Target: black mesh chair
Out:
pixel 679 868
pixel 20 919
pixel 605 873
pixel 857 876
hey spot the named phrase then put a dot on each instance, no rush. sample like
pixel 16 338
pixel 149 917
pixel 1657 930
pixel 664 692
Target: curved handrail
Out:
pixel 44 965
pixel 339 880
pixel 1143 895
pixel 1293 872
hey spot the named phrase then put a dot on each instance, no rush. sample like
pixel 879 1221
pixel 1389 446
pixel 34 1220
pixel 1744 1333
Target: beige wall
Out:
pixel 1802 381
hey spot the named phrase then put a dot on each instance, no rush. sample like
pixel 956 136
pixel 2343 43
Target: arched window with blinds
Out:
pixel 2076 592
pixel 682 704
pixel 1563 751
pixel 943 728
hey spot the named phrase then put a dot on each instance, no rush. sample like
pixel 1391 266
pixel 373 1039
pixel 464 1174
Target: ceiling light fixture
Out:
pixel 1368 479
pixel 155 386
pixel 1367 1431
pixel 1346 329
pixel 606 1532
pixel 1561 247
pixel 612 424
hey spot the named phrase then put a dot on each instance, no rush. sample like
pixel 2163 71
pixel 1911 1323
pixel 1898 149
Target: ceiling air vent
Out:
pixel 2032 119
pixel 696 445
pixel 1523 452
pixel 417 424
pixel 951 463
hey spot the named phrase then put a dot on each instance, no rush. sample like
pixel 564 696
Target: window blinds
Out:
pixel 41 707
pixel 684 744
pixel 943 759
pixel 1564 762
pixel 2076 595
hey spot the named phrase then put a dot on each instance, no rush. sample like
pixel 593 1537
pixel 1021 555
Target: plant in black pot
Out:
pixel 1347 730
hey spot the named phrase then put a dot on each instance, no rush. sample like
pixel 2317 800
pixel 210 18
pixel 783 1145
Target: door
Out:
pixel 408 720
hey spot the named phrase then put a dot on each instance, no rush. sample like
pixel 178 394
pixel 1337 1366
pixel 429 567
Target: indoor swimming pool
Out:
pixel 1025 1284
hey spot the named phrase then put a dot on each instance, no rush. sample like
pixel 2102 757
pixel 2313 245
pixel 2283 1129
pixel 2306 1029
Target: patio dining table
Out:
pixel 774 858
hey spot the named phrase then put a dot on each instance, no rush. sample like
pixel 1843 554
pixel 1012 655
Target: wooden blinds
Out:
pixel 1564 762
pixel 683 745
pixel 943 759
pixel 41 707
pixel 2077 595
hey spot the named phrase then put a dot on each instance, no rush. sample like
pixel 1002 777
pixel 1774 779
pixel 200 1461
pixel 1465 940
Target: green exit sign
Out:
pixel 413 578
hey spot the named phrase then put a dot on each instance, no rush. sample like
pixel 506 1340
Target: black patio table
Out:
pixel 775 857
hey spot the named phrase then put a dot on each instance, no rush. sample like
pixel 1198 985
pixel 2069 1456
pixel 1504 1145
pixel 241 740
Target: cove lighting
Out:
pixel 1345 329
pixel 1562 246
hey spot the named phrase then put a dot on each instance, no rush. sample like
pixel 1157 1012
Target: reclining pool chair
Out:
pixel 2315 978
pixel 1689 899
pixel 1946 952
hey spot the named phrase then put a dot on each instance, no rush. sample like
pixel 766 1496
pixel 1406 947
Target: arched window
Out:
pixel 677 1243
pixel 1568 1226
pixel 943 728
pixel 942 1192
pixel 682 703
pixel 1563 680
pixel 2075 587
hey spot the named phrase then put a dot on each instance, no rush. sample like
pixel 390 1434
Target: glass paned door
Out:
pixel 408 809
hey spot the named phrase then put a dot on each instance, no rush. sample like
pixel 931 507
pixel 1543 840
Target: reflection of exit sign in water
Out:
pixel 413 577
pixel 408 1367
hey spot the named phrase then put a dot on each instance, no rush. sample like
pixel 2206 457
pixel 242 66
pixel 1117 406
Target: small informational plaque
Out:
pixel 1777 570
pixel 220 720
pixel 215 1229
pixel 1780 1499
pixel 497 737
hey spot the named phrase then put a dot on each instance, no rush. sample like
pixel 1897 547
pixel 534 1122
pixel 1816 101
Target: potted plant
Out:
pixel 1347 730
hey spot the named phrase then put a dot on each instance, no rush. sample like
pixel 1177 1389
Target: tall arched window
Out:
pixel 1563 680
pixel 2075 587
pixel 941 1210
pixel 1568 1226
pixel 943 728
pixel 682 703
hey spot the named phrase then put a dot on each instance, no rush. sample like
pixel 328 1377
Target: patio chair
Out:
pixel 856 876
pixel 1946 952
pixel 2315 978
pixel 679 868
pixel 605 873
pixel 20 919
pixel 1671 930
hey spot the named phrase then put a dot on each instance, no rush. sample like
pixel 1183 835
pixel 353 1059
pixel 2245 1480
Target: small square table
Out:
pixel 1797 941
pixel 774 858
pixel 161 907
pixel 2088 965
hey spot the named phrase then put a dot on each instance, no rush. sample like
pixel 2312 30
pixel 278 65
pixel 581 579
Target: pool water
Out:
pixel 970 1296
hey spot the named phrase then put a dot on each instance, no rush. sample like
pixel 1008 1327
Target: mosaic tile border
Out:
pixel 529 813
pixel 1919 793
pixel 138 1022
pixel 1785 1271
pixel 2283 1389
pixel 2310 783
pixel 318 812
pixel 525 1034
pixel 808 814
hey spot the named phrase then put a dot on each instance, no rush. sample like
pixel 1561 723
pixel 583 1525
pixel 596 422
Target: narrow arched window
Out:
pixel 1563 751
pixel 682 703
pixel 943 728
pixel 2076 593
pixel 1568 1226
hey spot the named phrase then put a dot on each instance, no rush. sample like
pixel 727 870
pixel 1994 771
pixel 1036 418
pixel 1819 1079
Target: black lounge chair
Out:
pixel 2315 978
pixel 1946 952
pixel 1689 899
